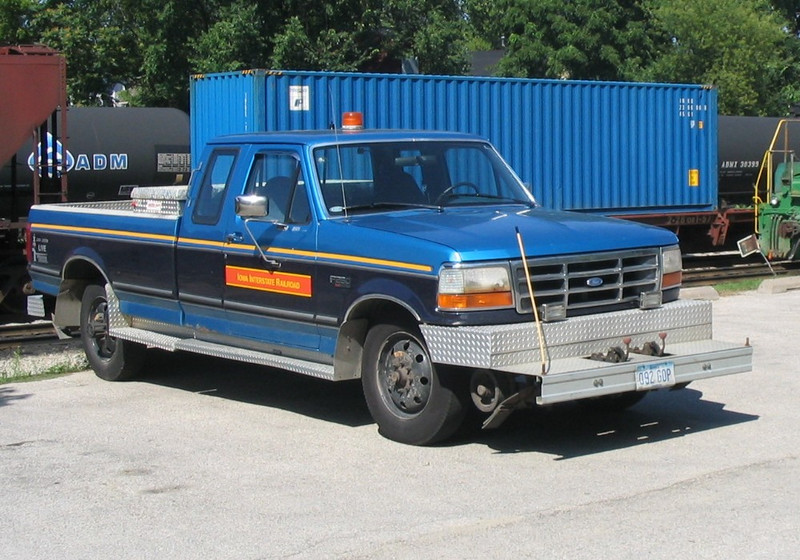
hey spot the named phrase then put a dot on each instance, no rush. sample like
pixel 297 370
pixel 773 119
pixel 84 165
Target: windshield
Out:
pixel 383 176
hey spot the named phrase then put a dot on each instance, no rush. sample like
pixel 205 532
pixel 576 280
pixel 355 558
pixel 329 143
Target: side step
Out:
pixel 173 344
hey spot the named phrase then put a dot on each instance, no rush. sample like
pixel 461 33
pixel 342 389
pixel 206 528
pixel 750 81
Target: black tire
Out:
pixel 410 399
pixel 110 358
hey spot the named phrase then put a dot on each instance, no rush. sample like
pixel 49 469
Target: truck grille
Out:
pixel 588 283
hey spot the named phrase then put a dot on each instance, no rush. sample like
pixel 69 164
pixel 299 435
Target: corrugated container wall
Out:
pixel 606 147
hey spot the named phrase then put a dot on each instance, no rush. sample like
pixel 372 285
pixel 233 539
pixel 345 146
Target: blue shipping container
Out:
pixel 605 147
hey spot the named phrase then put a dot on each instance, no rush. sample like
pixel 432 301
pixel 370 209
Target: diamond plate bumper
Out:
pixel 496 346
pixel 579 378
pixel 571 375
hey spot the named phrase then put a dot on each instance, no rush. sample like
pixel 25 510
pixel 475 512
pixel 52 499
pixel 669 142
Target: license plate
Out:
pixel 655 376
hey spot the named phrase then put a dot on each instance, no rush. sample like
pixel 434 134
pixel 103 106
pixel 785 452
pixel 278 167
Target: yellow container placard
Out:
pixel 694 177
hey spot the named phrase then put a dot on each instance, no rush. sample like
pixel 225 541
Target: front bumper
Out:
pixel 571 374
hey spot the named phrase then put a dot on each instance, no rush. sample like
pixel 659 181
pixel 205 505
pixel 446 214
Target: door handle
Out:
pixel 234 238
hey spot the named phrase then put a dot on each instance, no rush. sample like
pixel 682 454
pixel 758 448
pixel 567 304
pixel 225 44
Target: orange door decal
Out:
pixel 267 281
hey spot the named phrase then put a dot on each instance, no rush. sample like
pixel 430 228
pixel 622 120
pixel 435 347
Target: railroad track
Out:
pixel 15 335
pixel 701 269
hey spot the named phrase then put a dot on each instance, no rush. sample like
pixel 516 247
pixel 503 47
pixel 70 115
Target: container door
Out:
pixel 270 262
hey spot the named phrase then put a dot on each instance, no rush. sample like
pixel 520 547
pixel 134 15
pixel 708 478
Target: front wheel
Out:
pixel 412 400
pixel 111 359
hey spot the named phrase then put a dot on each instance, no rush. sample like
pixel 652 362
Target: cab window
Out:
pixel 279 177
pixel 215 184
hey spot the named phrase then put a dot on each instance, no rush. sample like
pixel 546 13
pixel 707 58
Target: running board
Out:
pixel 174 344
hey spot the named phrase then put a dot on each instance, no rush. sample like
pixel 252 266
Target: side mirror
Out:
pixel 251 206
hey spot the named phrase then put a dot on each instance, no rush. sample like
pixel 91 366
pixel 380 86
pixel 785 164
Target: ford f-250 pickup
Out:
pixel 416 261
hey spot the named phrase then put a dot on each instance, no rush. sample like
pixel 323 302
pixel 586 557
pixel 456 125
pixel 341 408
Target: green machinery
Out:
pixel 777 196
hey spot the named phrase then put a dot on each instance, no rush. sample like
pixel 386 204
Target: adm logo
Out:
pixel 54 156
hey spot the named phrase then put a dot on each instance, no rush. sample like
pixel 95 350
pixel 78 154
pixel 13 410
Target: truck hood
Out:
pixel 486 233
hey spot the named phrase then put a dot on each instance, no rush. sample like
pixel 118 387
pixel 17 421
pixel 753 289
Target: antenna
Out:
pixel 334 113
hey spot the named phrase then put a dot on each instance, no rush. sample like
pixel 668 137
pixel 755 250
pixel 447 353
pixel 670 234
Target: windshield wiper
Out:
pixel 488 197
pixel 381 206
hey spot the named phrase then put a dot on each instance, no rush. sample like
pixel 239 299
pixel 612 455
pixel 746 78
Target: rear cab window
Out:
pixel 216 181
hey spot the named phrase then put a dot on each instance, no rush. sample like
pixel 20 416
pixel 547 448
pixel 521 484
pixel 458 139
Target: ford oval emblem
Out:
pixel 594 282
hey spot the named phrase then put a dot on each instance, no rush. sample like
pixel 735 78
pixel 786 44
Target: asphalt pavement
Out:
pixel 203 458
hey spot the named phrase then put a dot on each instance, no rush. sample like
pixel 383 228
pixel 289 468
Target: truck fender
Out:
pixel 83 267
pixel 389 290
pixel 363 313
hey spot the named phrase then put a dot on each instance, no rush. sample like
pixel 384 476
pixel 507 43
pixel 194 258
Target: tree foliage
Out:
pixel 790 11
pixel 374 35
pixel 15 17
pixel 743 47
pixel 586 39
pixel 750 49
pixel 231 42
pixel 153 46
pixel 94 36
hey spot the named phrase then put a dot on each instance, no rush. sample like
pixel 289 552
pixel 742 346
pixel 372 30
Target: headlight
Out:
pixel 470 288
pixel 671 268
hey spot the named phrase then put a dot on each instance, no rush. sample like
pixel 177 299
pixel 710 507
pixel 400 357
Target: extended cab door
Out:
pixel 200 260
pixel 270 262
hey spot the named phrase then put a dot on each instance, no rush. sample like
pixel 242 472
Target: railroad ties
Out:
pixel 700 269
pixel 19 334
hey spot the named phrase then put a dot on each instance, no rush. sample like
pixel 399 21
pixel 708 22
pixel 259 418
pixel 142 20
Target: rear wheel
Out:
pixel 412 400
pixel 111 359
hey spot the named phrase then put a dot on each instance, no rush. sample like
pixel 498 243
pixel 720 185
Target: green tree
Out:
pixel 441 45
pixel 580 39
pixel 15 21
pixel 742 46
pixel 144 45
pixel 165 31
pixel 372 34
pixel 297 47
pixel 789 9
pixel 152 46
pixel 234 41
pixel 99 49
pixel 434 32
pixel 487 25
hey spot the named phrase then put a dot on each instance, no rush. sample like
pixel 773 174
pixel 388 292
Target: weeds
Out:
pixel 16 366
pixel 737 286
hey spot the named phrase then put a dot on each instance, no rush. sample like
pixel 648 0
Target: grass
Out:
pixel 16 367
pixel 737 286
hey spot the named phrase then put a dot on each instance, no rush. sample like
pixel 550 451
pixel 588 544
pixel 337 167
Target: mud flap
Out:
pixel 505 408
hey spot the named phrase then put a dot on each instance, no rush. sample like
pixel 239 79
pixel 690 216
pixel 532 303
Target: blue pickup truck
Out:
pixel 415 261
